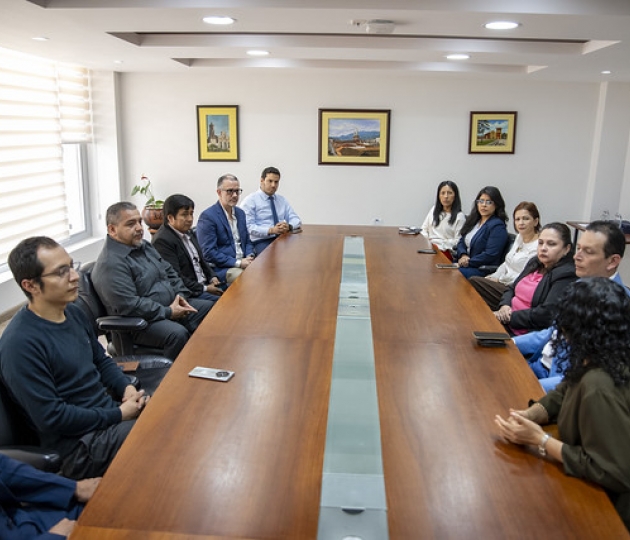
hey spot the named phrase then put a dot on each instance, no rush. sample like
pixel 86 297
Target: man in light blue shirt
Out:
pixel 269 215
pixel 599 252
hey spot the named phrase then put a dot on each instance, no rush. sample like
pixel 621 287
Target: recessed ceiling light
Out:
pixel 606 72
pixel 40 38
pixel 258 53
pixel 119 62
pixel 501 25
pixel 219 20
pixel 458 56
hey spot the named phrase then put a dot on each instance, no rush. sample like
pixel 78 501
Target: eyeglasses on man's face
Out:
pixel 63 271
pixel 484 202
pixel 230 192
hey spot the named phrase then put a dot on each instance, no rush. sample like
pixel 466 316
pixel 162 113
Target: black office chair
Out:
pixel 18 439
pixel 489 268
pixel 119 331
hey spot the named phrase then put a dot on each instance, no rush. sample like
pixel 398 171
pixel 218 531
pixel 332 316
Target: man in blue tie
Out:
pixel 269 215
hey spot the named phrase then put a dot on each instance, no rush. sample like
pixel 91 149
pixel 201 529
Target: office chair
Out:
pixel 489 268
pixel 119 331
pixel 19 441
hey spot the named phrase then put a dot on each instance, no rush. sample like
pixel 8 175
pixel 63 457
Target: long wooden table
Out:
pixel 244 459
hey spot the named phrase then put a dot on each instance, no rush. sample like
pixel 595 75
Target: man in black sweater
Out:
pixel 56 370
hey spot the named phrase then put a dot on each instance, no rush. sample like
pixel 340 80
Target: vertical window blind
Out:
pixel 43 105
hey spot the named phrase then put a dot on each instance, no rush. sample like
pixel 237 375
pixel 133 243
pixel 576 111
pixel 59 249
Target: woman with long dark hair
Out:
pixel 484 234
pixel 592 404
pixel 445 219
pixel 531 301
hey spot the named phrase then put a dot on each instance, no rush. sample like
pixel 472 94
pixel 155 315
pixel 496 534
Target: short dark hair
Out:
pixel 225 177
pixel 24 262
pixel 532 209
pixel 174 203
pixel 615 239
pixel 112 216
pixel 269 170
pixel 563 231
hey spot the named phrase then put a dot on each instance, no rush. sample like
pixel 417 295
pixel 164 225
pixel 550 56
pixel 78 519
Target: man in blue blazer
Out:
pixel 39 505
pixel 222 232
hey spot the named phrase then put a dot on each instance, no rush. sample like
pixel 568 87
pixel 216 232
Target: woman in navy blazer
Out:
pixel 484 234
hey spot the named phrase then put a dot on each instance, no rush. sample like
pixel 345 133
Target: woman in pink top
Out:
pixel 530 303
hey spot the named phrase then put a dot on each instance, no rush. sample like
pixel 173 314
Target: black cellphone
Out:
pixel 428 251
pixel 494 336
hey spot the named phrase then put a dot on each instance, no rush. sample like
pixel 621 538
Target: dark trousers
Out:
pixel 260 245
pixel 490 291
pixel 95 451
pixel 172 335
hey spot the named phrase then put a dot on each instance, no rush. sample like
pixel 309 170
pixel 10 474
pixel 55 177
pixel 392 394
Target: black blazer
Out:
pixel 173 250
pixel 546 296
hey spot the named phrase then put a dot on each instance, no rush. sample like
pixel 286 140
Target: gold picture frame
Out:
pixel 217 133
pixel 492 132
pixel 354 137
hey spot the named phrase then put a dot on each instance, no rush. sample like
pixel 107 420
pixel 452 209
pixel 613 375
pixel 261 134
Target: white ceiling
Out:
pixel 560 40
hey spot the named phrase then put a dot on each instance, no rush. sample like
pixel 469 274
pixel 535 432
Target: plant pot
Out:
pixel 153 217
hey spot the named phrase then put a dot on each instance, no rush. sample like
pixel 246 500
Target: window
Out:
pixel 45 125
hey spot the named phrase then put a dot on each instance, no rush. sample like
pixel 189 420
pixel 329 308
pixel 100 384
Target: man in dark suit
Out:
pixel 36 504
pixel 222 232
pixel 180 248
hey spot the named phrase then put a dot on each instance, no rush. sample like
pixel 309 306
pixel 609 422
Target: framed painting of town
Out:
pixel 353 137
pixel 217 132
pixel 492 132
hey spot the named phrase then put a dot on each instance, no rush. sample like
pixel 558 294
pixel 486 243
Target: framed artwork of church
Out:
pixel 217 132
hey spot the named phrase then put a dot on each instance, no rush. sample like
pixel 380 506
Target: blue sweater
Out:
pixel 58 373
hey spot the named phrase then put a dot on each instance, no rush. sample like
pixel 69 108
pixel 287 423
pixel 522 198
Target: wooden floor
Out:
pixel 244 459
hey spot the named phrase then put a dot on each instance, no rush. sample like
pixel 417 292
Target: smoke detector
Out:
pixel 375 26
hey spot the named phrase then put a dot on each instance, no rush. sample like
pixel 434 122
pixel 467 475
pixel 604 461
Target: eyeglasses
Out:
pixel 484 202
pixel 233 191
pixel 63 271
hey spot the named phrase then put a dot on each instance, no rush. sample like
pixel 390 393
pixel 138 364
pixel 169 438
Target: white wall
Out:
pixel 429 138
pixel 572 145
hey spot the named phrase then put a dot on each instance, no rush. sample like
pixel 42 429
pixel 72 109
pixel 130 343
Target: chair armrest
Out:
pixel 40 458
pixel 488 268
pixel 114 323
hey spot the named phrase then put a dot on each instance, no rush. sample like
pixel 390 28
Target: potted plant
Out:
pixel 152 213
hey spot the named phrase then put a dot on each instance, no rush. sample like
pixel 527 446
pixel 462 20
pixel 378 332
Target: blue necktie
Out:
pixel 273 210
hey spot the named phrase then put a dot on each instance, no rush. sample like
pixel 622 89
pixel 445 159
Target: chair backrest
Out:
pixel 88 299
pixel 508 245
pixel 15 427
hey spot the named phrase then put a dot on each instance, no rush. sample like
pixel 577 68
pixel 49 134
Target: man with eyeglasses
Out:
pixel 180 248
pixel 132 279
pixel 269 215
pixel 222 232
pixel 54 367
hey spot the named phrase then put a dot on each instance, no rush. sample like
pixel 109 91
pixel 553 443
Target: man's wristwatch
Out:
pixel 543 443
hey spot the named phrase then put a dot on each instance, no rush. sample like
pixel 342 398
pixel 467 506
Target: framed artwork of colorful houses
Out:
pixel 492 132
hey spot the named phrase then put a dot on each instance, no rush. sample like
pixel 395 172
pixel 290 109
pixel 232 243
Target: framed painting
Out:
pixel 492 132
pixel 217 132
pixel 353 137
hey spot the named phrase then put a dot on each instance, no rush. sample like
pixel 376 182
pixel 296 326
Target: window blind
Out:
pixel 43 104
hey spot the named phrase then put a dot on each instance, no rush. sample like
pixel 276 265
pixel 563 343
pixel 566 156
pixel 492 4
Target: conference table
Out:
pixel 244 458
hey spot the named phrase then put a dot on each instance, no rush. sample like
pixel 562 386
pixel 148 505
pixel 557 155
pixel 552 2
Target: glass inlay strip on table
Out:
pixel 353 501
